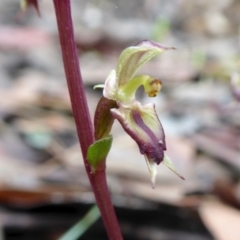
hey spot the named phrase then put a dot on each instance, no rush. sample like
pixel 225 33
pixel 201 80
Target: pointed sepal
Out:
pixel 168 163
pixel 152 167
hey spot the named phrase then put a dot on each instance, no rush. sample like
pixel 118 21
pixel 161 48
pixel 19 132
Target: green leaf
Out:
pixel 168 163
pixel 98 152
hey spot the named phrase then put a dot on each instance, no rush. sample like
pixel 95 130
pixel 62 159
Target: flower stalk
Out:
pixel 82 116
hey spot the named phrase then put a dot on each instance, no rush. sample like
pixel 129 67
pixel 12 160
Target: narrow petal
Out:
pixel 110 87
pixel 152 167
pixel 132 58
pixel 143 125
pixel 168 163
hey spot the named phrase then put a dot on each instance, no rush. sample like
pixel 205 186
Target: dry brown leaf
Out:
pixel 222 220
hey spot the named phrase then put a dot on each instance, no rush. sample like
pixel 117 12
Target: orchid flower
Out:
pixel 139 121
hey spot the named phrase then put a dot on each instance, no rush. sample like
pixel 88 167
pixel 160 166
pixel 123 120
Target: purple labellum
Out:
pixel 156 147
pixel 150 140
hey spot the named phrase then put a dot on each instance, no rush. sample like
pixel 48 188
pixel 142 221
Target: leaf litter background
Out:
pixel 43 186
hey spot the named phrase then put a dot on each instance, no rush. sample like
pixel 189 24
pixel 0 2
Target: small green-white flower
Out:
pixel 139 121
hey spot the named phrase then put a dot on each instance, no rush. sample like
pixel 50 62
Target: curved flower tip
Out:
pixel 148 43
pixel 25 4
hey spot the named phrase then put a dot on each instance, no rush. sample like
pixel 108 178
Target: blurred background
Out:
pixel 43 186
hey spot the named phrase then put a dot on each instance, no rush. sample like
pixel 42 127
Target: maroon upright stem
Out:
pixel 82 116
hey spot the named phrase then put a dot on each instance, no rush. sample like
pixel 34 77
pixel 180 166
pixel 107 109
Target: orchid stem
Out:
pixel 82 116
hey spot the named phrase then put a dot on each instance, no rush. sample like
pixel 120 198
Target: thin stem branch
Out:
pixel 82 116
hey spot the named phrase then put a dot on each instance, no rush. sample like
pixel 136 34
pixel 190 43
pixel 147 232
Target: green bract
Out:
pixel 98 152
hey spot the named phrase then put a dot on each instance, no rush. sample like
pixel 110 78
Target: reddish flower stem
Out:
pixel 82 116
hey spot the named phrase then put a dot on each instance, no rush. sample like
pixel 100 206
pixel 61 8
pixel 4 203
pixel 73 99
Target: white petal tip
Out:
pixel 152 167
